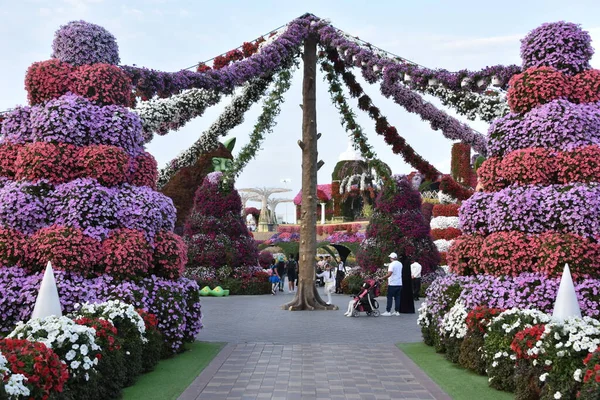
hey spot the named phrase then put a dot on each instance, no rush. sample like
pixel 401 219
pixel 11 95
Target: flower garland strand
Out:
pixel 232 116
pixel 163 115
pixel 265 124
pixel 488 107
pixel 382 127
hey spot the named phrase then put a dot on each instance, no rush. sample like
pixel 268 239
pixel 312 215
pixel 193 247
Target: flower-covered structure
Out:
pixel 78 189
pixel 538 208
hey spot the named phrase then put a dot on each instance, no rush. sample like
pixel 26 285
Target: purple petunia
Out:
pixel 80 43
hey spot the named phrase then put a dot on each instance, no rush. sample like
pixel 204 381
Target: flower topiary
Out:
pixel 463 257
pixel 12 246
pixel 507 253
pixel 143 171
pixel 23 206
pixel 67 247
pixel 103 84
pixel 557 249
pixel 126 254
pixel 490 174
pixel 107 164
pixel 81 42
pixel 536 86
pixel 117 126
pixel 47 80
pixel 586 87
pixel 170 255
pixel 582 164
pixel 16 125
pixel 532 166
pixel 56 162
pixel 561 45
pixel 8 155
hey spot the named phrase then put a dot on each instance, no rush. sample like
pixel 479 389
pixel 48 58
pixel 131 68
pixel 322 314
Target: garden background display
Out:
pixel 535 214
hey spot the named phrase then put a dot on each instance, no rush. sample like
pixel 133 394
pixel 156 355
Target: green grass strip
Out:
pixel 457 382
pixel 172 376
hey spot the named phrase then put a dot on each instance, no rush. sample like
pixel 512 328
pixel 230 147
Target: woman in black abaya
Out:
pixel 407 302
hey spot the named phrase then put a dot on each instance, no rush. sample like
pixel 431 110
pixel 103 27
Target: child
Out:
pixel 329 278
pixel 274 278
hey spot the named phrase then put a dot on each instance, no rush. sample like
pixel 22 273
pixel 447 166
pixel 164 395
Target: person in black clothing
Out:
pixel 340 275
pixel 407 302
pixel 291 272
pixel 281 271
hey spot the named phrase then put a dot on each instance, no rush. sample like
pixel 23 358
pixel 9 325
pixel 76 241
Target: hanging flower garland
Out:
pixel 382 127
pixel 264 125
pixel 163 115
pixel 232 116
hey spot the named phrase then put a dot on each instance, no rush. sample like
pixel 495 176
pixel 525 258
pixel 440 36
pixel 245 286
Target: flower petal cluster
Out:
pixel 536 86
pixel 81 43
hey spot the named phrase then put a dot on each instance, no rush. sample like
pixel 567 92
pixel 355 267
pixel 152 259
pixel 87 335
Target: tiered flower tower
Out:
pixel 78 189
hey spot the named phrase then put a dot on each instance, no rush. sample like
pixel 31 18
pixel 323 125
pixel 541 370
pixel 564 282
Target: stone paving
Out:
pixel 275 354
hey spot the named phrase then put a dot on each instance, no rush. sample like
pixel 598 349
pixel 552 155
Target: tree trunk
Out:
pixel 307 297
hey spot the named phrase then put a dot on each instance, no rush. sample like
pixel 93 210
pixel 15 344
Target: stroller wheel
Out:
pixel 376 313
pixel 369 313
pixel 355 313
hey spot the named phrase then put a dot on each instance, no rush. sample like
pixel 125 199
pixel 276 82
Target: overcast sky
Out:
pixel 170 35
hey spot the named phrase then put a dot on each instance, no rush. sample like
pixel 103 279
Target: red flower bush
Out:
pixel 102 83
pixel 170 255
pixel 490 175
pixel 557 249
pixel 525 340
pixel 144 170
pixel 463 257
pixel 8 155
pixel 47 80
pixel 150 320
pixel 581 164
pixel 45 373
pixel 106 333
pixel 479 318
pixel 536 86
pixel 12 246
pixel 126 254
pixel 591 377
pixel 67 247
pixel 585 87
pixel 56 162
pixel 445 210
pixel 264 259
pixel 447 234
pixel 108 164
pixel 508 253
pixel 533 166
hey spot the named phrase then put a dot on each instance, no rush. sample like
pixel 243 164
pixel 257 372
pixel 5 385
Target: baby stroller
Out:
pixel 365 300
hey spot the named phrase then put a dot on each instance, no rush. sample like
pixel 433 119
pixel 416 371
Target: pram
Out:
pixel 365 300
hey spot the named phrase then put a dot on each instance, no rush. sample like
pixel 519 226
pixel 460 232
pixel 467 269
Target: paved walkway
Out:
pixel 275 354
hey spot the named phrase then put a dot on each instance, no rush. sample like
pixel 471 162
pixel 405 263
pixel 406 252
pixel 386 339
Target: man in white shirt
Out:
pixel 415 271
pixel 394 277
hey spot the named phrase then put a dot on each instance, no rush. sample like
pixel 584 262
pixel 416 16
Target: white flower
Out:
pixel 548 362
pixel 75 364
pixel 577 375
pixel 83 349
pixel 444 222
pixel 557 395
pixel 15 386
pixel 543 377
pixel 70 355
pixel 443 245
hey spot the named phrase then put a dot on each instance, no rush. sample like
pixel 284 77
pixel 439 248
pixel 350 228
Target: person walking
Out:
pixel 292 271
pixel 339 276
pixel 281 271
pixel 329 278
pixel 274 278
pixel 415 270
pixel 407 302
pixel 394 277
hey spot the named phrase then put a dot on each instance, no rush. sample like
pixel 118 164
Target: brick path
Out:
pixel 275 354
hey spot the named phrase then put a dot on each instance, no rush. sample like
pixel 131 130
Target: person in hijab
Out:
pixel 407 302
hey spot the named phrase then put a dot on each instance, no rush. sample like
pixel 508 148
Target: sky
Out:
pixel 170 35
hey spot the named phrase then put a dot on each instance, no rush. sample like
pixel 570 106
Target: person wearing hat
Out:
pixel 394 277
pixel 281 271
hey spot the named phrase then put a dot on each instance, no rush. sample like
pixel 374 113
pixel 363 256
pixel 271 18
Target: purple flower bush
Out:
pixel 65 120
pixel 22 207
pixel 141 208
pixel 560 125
pixel 16 127
pixel 81 43
pixel 562 45
pixel 85 204
pixel 534 209
pixel 175 303
pixel 117 126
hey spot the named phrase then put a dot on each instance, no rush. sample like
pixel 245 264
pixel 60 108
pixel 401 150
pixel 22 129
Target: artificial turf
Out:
pixel 457 382
pixel 173 375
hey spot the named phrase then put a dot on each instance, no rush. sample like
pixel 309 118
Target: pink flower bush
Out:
pixel 12 246
pixel 536 86
pixel 507 253
pixel 586 87
pixel 463 257
pixel 107 164
pixel 490 174
pixel 144 170
pixel 581 164
pixel 533 166
pixel 126 254
pixel 104 84
pixel 56 162
pixel 170 255
pixel 8 155
pixel 67 247
pixel 556 249
pixel 47 80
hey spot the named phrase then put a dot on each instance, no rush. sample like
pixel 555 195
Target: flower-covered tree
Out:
pixel 397 225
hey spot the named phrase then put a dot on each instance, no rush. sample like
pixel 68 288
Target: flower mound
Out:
pixel 103 84
pixel 107 164
pixel 170 255
pixel 145 172
pixel 536 86
pixel 8 155
pixel 16 126
pixel 47 80
pixel 67 247
pixel 56 162
pixel 561 45
pixel 66 119
pixel 80 43
pixel 126 254
pixel 12 246
pixel 22 208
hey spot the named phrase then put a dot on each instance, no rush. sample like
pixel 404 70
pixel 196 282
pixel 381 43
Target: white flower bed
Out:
pixel 74 344
pixel 443 245
pixel 446 198
pixel 444 222
pixel 114 309
pixel 454 323
pixel 423 320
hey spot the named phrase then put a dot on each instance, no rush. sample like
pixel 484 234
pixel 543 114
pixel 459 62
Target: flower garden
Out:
pixel 78 189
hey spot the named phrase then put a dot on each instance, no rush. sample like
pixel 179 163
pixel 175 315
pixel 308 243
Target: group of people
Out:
pixel 404 285
pixel 279 269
